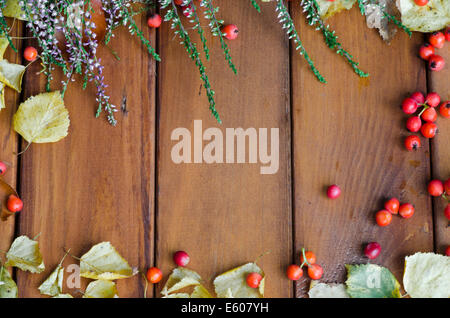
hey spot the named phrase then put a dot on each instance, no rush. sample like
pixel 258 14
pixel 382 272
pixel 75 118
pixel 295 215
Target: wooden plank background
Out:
pixel 120 184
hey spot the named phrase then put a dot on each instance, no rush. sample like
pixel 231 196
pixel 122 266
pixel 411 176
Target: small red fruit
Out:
pixel 409 106
pixel 181 258
pixel 294 272
pixel 231 31
pixel 310 258
pixel 154 275
pixel 413 123
pixel 447 251
pixel 372 250
pixel 383 218
pixel 392 205
pixel 154 21
pixel 421 3
pixel 447 186
pixel 333 191
pixel 435 188
pixel 447 212
pixel 447 34
pixel 437 39
pixel 429 115
pixel 253 280
pixel 436 62
pixel 433 99
pixel 444 109
pixel 315 271
pixel 2 168
pixel 428 130
pixel 412 142
pixel 30 54
pixel 406 210
pixel 14 204
pixel 418 97
pixel 426 51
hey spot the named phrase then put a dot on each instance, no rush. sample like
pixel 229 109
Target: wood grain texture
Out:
pixel 350 132
pixel 96 184
pixel 225 215
pixel 440 151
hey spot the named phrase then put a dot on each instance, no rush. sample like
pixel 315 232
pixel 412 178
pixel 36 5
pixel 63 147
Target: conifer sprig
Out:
pixel 191 11
pixel 256 5
pixel 331 39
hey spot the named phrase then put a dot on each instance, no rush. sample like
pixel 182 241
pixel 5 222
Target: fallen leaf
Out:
pixel 322 290
pixel 8 288
pixel 101 289
pixel 5 191
pixel 200 292
pixel 2 96
pixel 329 8
pixel 427 275
pixel 102 261
pixel 24 253
pixel 433 16
pixel 4 43
pixel 63 296
pixel 371 281
pixel 180 278
pixel 11 74
pixel 13 10
pixel 233 284
pixel 42 118
pixel 53 285
pixel 375 18
pixel 178 295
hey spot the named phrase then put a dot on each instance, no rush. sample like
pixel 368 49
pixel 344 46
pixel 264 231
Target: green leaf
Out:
pixel 371 281
pixel 8 288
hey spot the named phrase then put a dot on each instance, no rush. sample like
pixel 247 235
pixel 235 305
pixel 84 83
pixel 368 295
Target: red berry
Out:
pixel 231 31
pixel 181 258
pixel 333 191
pixel 179 2
pixel 426 51
pixel 253 280
pixel 154 21
pixel 412 142
pixel 30 54
pixel 447 34
pixel 436 62
pixel 421 3
pixel 315 271
pixel 447 186
pixel 294 272
pixel 437 39
pixel 433 99
pixel 413 123
pixel 372 250
pixel 418 97
pixel 429 115
pixel 444 109
pixel 310 258
pixel 428 130
pixel 435 188
pixel 447 251
pixel 383 218
pixel 409 106
pixel 2 168
pixel 14 204
pixel 447 212
pixel 392 205
pixel 154 275
pixel 406 210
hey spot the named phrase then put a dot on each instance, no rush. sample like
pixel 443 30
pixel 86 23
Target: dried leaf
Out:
pixel 53 285
pixel 42 118
pixel 11 74
pixel 101 289
pixel 5 191
pixel 24 253
pixel 180 278
pixel 329 8
pixel 8 288
pixel 427 275
pixel 371 281
pixel 433 16
pixel 13 10
pixel 375 18
pixel 200 292
pixel 322 290
pixel 232 284
pixel 4 43
pixel 2 96
pixel 178 295
pixel 102 261
pixel 63 296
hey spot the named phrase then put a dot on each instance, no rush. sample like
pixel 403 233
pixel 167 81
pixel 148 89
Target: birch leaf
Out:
pixel 102 261
pixel 322 290
pixel 11 74
pixel 433 16
pixel 200 292
pixel 2 96
pixel 232 284
pixel 101 289
pixel 427 275
pixel 13 10
pixel 63 296
pixel 42 118
pixel 329 8
pixel 8 288
pixel 4 43
pixel 53 285
pixel 178 295
pixel 180 278
pixel 24 253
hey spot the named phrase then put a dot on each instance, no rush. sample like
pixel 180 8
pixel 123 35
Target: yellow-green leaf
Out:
pixel 8 288
pixel 329 8
pixel 4 43
pixel 180 278
pixel 200 292
pixel 53 285
pixel 63 296
pixel 322 290
pixel 2 96
pixel 24 253
pixel 232 284
pixel 42 118
pixel 433 16
pixel 11 74
pixel 101 289
pixel 13 10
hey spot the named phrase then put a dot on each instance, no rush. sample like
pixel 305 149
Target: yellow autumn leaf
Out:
pixel 8 288
pixel 178 295
pixel 2 96
pixel 11 74
pixel 233 284
pixel 13 10
pixel 102 261
pixel 24 253
pixel 322 290
pixel 42 118
pixel 427 275
pixel 101 289
pixel 329 8
pixel 433 16
pixel 63 296
pixel 4 43
pixel 180 278
pixel 52 286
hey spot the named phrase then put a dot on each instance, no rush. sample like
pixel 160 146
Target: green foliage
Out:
pixel 4 27
pixel 192 14
pixel 256 5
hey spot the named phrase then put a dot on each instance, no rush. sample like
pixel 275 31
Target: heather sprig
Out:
pixel 256 5
pixel 191 12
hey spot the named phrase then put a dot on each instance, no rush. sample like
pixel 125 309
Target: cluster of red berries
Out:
pixel 154 274
pixel 308 258
pixel 392 206
pixel 437 188
pixel 427 51
pixel 14 203
pixel 424 120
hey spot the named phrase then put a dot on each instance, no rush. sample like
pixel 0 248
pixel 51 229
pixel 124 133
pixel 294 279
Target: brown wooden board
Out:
pixel 96 184
pixel 350 132
pixel 225 215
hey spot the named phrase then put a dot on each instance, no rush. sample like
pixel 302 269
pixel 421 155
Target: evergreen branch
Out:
pixel 331 39
pixel 288 24
pixel 215 25
pixel 256 5
pixel 172 15
pixel 192 14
